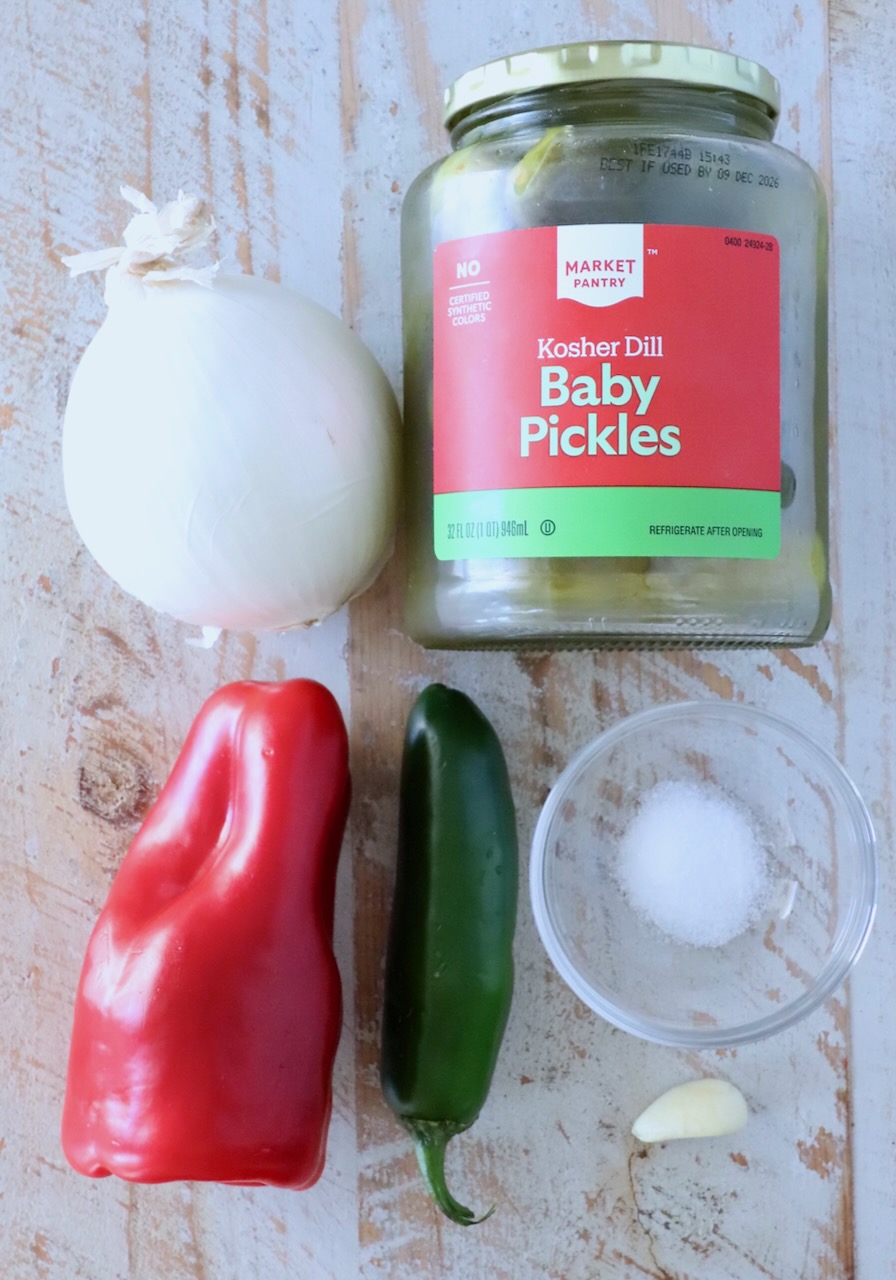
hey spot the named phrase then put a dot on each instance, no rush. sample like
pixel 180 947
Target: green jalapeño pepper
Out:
pixel 449 971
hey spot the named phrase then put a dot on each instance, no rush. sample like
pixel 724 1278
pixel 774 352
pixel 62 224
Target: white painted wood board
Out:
pixel 305 124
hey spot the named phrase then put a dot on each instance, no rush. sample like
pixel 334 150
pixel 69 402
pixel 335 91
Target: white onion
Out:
pixel 229 447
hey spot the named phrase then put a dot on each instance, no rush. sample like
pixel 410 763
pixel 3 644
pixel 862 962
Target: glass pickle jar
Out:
pixel 614 294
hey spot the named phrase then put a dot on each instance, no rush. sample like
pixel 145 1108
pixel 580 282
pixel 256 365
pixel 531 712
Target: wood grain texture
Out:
pixel 577 1198
pixel 239 101
pixel 304 124
pixel 864 158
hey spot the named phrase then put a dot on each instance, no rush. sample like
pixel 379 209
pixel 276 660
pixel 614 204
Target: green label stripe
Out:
pixel 737 523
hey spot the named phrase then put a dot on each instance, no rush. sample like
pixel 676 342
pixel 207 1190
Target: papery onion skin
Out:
pixel 230 453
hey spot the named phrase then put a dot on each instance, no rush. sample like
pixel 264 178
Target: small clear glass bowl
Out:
pixel 822 867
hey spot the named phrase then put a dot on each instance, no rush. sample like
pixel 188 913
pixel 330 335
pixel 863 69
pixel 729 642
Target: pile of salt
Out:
pixel 691 862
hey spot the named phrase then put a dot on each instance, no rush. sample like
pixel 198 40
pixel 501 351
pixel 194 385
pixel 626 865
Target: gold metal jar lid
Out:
pixel 604 60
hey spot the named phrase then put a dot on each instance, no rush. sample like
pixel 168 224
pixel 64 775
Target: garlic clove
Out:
pixel 698 1109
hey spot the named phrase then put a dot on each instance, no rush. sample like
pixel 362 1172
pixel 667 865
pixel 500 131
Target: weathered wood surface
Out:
pixel 304 125
pixel 863 83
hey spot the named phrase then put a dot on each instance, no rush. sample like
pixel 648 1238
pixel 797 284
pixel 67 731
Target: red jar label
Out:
pixel 607 390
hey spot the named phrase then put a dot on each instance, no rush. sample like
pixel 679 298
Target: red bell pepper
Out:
pixel 209 1006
